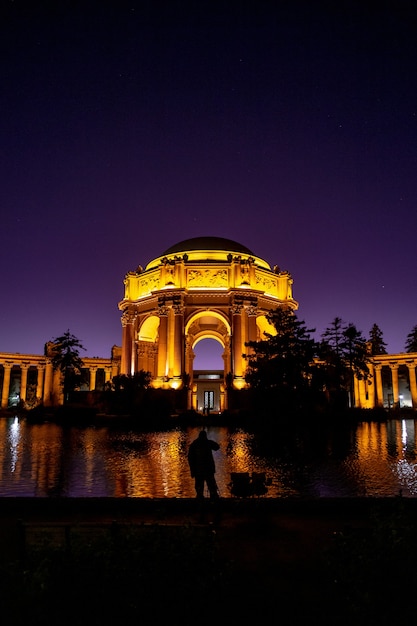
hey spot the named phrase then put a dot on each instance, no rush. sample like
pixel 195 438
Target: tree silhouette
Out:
pixel 378 345
pixel 65 357
pixel 279 367
pixel 411 342
pixel 126 392
pixel 344 354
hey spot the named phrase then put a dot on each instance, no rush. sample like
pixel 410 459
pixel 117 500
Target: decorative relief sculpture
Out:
pixel 207 278
pixel 149 284
pixel 266 283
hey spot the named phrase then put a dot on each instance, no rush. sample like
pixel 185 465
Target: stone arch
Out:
pixel 148 330
pixel 207 324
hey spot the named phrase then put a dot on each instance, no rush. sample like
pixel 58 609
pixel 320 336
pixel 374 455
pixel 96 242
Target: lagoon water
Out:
pixel 48 460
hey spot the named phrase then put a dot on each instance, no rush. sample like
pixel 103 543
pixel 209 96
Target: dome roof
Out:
pixel 207 243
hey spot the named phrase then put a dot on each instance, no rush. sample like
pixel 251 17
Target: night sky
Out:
pixel 290 127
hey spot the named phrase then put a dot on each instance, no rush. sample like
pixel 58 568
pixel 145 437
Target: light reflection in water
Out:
pixel 14 442
pixel 49 460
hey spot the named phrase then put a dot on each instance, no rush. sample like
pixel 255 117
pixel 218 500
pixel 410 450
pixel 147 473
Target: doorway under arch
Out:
pixel 208 375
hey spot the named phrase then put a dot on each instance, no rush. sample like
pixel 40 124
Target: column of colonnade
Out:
pixel 379 391
pixel 413 384
pixel 7 368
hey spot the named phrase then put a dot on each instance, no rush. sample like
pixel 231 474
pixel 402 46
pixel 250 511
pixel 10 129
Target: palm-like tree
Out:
pixel 65 357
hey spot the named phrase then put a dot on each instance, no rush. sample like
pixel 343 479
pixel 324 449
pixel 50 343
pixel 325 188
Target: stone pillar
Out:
pixel 356 400
pixel 24 368
pixel 237 341
pixel 162 342
pixel 39 386
pixel 107 374
pixel 252 314
pixel 93 375
pixel 395 393
pixel 379 390
pixel 178 341
pixel 6 385
pixel 413 384
pixel 128 353
pixel 170 343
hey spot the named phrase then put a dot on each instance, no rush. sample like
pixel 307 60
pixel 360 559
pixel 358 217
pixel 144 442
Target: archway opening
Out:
pixel 208 355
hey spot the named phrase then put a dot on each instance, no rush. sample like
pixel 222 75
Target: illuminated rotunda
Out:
pixel 207 287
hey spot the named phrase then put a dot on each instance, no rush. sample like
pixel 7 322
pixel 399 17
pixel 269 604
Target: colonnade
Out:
pixel 48 387
pixel 370 394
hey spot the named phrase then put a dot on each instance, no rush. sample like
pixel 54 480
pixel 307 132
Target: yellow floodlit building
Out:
pixel 207 287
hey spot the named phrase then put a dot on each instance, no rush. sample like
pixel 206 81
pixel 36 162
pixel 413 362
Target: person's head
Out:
pixel 202 434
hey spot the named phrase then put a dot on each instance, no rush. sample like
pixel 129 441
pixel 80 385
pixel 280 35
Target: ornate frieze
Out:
pixel 207 278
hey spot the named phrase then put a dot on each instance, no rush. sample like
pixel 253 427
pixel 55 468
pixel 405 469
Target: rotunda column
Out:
pixel 162 342
pixel 237 342
pixel 7 367
pixel 127 344
pixel 413 384
pixel 178 341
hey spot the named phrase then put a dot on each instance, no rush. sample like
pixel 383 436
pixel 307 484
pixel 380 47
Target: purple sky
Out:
pixel 124 130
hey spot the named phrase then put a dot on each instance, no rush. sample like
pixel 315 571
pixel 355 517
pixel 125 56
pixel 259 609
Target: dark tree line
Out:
pixel 287 369
pixel 292 372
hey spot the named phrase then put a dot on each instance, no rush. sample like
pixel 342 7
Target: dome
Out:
pixel 207 243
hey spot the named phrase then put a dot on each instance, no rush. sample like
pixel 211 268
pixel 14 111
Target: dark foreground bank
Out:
pixel 347 561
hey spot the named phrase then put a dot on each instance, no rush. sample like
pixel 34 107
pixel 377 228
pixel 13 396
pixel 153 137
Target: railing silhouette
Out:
pixel 246 485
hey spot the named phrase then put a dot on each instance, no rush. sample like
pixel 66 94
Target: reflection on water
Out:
pixel 41 460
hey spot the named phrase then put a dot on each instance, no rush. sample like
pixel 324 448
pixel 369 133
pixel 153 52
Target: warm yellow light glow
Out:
pixel 183 297
pixel 265 327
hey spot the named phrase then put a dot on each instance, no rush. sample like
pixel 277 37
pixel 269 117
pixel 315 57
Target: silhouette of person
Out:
pixel 202 466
